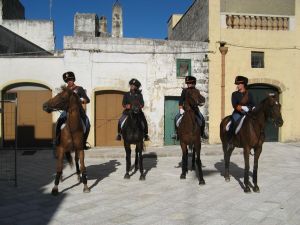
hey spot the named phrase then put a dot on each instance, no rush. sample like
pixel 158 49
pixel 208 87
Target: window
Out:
pixel 257 60
pixel 183 67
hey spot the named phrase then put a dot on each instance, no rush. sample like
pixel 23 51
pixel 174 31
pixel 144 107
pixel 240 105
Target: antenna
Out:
pixel 50 8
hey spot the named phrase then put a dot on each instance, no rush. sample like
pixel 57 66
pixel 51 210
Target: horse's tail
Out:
pixel 69 158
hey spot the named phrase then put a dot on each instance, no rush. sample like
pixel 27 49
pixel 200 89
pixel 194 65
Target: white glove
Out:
pixel 181 111
pixel 245 108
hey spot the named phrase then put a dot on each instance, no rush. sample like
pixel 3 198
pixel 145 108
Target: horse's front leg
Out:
pixel 199 164
pixel 184 160
pixel 83 171
pixel 193 156
pixel 246 170
pixel 136 162
pixel 77 166
pixel 128 160
pixel 227 155
pixel 59 166
pixel 257 152
pixel 140 153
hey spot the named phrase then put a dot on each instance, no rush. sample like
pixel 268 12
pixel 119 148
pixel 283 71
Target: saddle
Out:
pixel 237 126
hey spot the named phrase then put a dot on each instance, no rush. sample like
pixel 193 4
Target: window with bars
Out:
pixel 257 60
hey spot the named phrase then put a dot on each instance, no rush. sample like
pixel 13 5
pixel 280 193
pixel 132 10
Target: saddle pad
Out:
pixel 123 122
pixel 240 125
pixel 179 120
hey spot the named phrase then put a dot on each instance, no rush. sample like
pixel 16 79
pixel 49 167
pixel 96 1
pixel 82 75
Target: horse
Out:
pixel 189 132
pixel 251 135
pixel 133 133
pixel 71 135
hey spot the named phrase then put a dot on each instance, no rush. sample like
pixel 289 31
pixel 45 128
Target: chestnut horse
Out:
pixel 133 133
pixel 71 134
pixel 189 132
pixel 251 135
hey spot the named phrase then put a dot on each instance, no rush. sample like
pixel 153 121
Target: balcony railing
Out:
pixel 257 22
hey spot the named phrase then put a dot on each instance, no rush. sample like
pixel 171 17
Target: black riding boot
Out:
pixel 119 136
pixel 145 126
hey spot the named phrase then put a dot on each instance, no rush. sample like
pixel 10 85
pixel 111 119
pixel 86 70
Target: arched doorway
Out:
pixel 33 126
pixel 108 109
pixel 260 92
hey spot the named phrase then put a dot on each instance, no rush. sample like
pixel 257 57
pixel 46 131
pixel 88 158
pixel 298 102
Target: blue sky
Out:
pixel 141 18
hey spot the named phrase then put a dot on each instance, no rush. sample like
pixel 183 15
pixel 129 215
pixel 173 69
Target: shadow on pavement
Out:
pixel 101 171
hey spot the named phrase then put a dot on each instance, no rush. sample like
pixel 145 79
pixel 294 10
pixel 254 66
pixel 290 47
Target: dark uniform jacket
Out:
pixel 131 97
pixel 81 93
pixel 236 99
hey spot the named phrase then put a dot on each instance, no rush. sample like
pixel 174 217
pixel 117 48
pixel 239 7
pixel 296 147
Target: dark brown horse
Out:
pixel 189 132
pixel 133 133
pixel 251 135
pixel 71 134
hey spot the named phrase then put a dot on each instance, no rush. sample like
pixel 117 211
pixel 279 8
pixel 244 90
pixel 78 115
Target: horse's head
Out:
pixel 274 110
pixel 135 107
pixel 193 98
pixel 59 102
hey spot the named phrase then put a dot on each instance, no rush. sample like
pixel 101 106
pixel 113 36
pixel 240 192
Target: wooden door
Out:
pixel 108 111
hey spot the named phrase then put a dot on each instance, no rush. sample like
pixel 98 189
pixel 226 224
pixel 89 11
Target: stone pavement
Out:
pixel 162 198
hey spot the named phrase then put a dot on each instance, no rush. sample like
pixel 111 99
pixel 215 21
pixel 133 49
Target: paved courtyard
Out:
pixel 162 198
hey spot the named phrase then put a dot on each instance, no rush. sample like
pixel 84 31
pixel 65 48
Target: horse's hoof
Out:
pixel 201 182
pixel 193 167
pixel 86 190
pixel 256 189
pixel 182 176
pixel 142 177
pixel 247 190
pixel 227 179
pixel 54 191
pixel 127 176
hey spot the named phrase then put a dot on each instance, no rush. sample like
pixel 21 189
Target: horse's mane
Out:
pixel 64 88
pixel 261 106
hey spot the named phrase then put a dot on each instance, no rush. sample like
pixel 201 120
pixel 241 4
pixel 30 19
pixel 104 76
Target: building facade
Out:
pixel 257 39
pixel 103 66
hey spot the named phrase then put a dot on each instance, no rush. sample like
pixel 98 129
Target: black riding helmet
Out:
pixel 241 80
pixel 135 82
pixel 68 76
pixel 190 80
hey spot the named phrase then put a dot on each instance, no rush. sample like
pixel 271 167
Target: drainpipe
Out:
pixel 223 51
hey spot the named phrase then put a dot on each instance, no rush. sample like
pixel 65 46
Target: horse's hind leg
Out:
pixel 184 160
pixel 59 166
pixel 83 172
pixel 140 153
pixel 257 152
pixel 136 162
pixel 199 164
pixel 128 160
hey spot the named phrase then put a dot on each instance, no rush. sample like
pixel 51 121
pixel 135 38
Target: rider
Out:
pixel 135 94
pixel 69 79
pixel 191 84
pixel 242 102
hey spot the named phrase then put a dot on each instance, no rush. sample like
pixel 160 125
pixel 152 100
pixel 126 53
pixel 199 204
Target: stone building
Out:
pixel 103 65
pixel 257 39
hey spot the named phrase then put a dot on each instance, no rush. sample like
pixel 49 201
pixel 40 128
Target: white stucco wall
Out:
pixel 39 32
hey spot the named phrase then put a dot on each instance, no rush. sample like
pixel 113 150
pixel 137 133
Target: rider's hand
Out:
pixel 181 111
pixel 245 108
pixel 127 106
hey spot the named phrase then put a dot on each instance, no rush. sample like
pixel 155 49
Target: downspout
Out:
pixel 223 51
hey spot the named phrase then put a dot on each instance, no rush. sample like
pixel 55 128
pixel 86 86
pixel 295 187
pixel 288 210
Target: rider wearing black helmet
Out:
pixel 135 94
pixel 69 78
